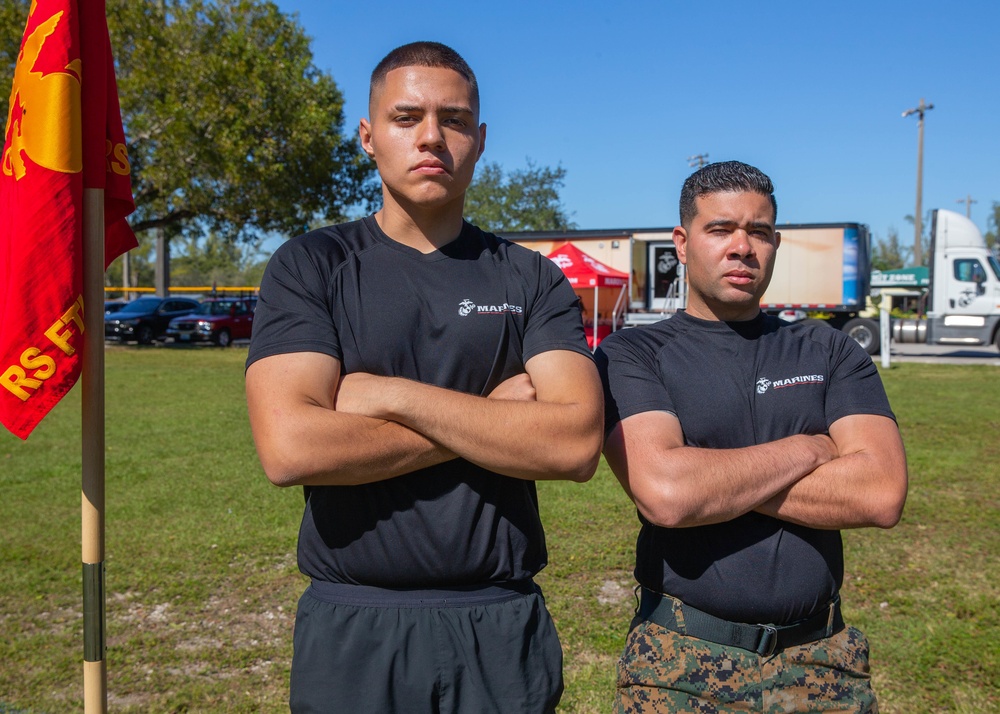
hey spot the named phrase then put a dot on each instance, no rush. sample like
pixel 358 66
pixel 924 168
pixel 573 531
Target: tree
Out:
pixel 522 200
pixel 925 239
pixel 231 127
pixel 13 14
pixel 993 229
pixel 212 260
pixel 888 254
pixel 142 265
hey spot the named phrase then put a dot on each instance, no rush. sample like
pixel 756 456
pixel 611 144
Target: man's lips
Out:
pixel 430 167
pixel 739 277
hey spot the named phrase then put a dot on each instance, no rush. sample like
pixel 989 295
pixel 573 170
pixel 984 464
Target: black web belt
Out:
pixel 765 640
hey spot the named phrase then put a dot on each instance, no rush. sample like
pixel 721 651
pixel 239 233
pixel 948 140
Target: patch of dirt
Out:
pixel 614 593
pixel 221 621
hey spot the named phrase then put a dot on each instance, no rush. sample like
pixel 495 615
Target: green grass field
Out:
pixel 202 582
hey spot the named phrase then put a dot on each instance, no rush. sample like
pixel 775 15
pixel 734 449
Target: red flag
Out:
pixel 64 134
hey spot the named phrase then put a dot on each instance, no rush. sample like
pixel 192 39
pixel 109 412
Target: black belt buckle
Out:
pixel 768 640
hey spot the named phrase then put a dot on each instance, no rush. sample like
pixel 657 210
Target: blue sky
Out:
pixel 621 94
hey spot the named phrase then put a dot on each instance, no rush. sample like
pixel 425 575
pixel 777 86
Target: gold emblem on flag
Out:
pixel 43 120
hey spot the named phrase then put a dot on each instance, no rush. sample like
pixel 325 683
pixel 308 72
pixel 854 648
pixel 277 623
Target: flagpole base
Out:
pixel 95 687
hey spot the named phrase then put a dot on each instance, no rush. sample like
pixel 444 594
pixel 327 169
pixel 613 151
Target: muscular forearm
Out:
pixel 686 486
pixel 866 487
pixel 835 497
pixel 322 447
pixel 522 439
pixel 304 438
pixel 717 485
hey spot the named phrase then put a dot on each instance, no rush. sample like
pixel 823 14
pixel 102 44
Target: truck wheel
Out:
pixel 145 335
pixel 223 339
pixel 865 332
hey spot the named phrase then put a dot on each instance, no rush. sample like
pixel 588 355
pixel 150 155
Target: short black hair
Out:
pixel 423 54
pixel 724 177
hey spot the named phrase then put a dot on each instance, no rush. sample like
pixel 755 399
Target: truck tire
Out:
pixel 865 332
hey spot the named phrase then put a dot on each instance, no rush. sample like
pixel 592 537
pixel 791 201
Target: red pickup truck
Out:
pixel 218 320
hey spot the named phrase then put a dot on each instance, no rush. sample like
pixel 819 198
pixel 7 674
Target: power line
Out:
pixel 968 201
pixel 698 159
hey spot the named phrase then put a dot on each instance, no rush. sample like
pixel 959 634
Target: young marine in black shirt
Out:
pixel 415 374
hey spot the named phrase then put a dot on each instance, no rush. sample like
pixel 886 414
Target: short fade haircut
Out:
pixel 724 177
pixel 423 54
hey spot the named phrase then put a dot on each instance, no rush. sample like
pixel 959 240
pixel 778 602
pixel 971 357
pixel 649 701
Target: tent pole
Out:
pixel 595 320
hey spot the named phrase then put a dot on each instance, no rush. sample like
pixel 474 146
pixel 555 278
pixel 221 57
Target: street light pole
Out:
pixel 918 228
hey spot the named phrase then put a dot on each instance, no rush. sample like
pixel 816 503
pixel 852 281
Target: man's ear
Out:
pixel 680 243
pixel 777 240
pixel 482 141
pixel 365 134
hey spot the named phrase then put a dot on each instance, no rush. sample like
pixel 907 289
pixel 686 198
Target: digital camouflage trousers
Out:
pixel 662 671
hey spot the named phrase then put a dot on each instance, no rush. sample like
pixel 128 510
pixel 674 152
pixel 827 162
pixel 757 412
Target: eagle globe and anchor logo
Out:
pixel 43 114
pixel 48 138
pixel 764 384
pixel 468 306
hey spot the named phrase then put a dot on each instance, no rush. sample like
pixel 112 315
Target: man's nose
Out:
pixel 430 133
pixel 739 244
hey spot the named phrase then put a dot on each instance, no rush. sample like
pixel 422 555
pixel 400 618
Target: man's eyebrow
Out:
pixel 451 109
pixel 720 223
pixel 457 109
pixel 728 222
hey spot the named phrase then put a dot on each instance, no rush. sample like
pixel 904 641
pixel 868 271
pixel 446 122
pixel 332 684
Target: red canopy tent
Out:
pixel 583 271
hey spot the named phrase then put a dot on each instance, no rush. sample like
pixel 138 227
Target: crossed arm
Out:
pixel 854 477
pixel 313 426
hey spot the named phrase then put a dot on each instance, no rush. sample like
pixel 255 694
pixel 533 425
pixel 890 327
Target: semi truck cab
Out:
pixel 964 305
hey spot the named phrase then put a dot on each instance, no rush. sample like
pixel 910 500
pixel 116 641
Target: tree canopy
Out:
pixel 925 239
pixel 231 127
pixel 13 14
pixel 521 200
pixel 194 261
pixel 993 227
pixel 888 254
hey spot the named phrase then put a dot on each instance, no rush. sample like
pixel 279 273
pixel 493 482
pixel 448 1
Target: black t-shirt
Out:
pixel 733 385
pixel 465 317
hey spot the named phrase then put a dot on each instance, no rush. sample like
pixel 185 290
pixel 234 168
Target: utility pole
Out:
pixel 919 110
pixel 968 201
pixel 698 159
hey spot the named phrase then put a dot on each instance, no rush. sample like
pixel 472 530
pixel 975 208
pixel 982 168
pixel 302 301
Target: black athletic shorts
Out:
pixel 484 650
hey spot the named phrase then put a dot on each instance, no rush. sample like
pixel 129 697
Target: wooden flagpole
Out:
pixel 95 678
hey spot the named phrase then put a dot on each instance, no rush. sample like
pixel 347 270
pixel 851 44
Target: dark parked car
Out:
pixel 113 306
pixel 146 319
pixel 218 320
